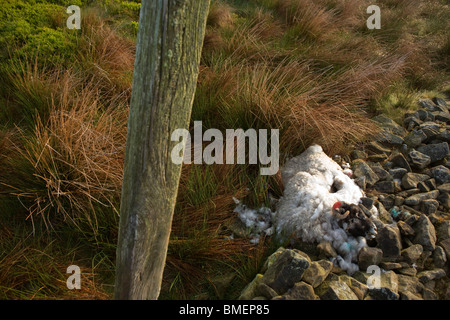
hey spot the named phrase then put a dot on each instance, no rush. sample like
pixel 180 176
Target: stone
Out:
pixel 387 200
pixel 444 199
pixel 423 187
pixel 411 284
pixel 222 283
pixel 362 169
pixel 440 103
pixel 381 294
pixel 445 244
pixel 431 129
pixel 389 241
pixel 368 256
pixel 429 295
pixel 361 182
pixel 444 135
pixel 265 291
pixel 419 197
pixel 398 201
pixel 367 202
pixel 436 152
pixel 251 290
pixel 425 115
pixel 442 116
pixel 397 173
pixel 388 137
pixel 272 258
pixel 416 114
pixel 412 122
pixel 431 285
pixel 427 185
pixel 335 290
pixel 326 250
pixel 390 265
pixel 410 179
pixel 358 154
pixel 412 219
pixel 317 272
pixel 415 138
pixel 405 229
pixel 383 214
pixel 429 206
pixel 425 233
pixel 399 160
pixel 419 160
pixel 390 125
pixel 388 287
pixel 406 295
pixel 398 186
pixel 428 105
pixel 443 231
pixel 429 275
pixel 431 183
pixel 301 291
pixel 385 186
pixel 430 117
pixel 409 271
pixel 379 157
pixel 424 260
pixel 444 188
pixel 408 192
pixel 388 279
pixel 377 148
pixel 357 287
pixel 412 253
pixel 435 217
pixel 286 270
pixel 439 257
pixel 380 172
pixel 441 174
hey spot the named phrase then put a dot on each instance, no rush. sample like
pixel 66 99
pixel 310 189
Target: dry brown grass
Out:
pixel 106 56
pixel 220 15
pixel 36 269
pixel 309 18
pixel 350 14
pixel 76 154
pixel 307 106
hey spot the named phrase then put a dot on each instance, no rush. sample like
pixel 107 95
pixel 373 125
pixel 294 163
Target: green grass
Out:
pixel 397 101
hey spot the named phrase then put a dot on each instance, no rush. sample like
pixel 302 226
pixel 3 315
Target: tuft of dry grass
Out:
pixel 220 15
pixel 309 19
pixel 76 155
pixel 105 56
pixel 33 269
pixel 307 105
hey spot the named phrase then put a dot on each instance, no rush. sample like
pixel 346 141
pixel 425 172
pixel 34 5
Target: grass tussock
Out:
pixel 76 155
pixel 220 15
pixel 33 269
pixel 106 56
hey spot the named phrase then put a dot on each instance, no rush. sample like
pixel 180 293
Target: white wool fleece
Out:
pixel 313 184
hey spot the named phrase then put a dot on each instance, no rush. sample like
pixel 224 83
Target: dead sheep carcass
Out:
pixel 314 183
